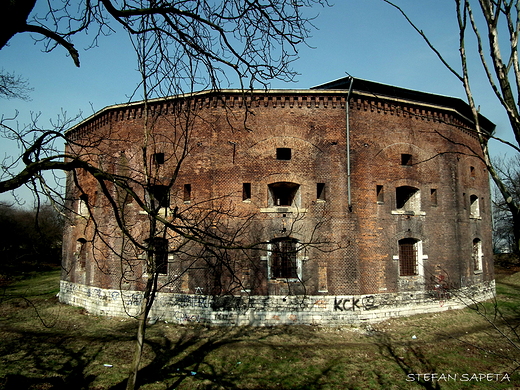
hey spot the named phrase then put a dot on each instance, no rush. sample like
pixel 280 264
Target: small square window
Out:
pixel 158 158
pixel 283 153
pixel 160 195
pixel 406 159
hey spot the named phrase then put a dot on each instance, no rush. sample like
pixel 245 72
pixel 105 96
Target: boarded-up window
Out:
pixel 283 258
pixel 159 249
pixel 408 257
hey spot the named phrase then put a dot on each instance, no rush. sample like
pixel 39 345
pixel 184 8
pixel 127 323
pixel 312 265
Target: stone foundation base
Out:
pixel 273 310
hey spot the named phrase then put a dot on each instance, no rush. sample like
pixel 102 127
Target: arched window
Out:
pixel 477 254
pixel 283 254
pixel 408 199
pixel 83 205
pixel 474 206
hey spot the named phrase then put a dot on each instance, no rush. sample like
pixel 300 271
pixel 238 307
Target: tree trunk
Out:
pixel 146 305
pixel 13 18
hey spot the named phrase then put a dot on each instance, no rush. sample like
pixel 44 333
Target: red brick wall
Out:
pixel 353 250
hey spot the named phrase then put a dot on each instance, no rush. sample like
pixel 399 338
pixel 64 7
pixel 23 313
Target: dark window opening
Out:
pixel 380 192
pixel 187 193
pixel 246 191
pixel 283 153
pixel 472 171
pixel 320 191
pixel 158 158
pixel 160 196
pixel 283 193
pixel 407 198
pixel 159 251
pixel 283 258
pixel 433 197
pixel 408 257
pixel 406 159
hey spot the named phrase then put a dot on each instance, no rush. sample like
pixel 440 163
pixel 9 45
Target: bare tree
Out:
pixel 13 86
pixel 210 236
pixel 503 226
pixel 497 47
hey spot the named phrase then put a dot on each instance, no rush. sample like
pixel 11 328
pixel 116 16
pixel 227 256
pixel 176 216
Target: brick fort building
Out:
pixel 359 201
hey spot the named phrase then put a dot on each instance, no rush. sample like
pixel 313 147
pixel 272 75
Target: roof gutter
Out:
pixel 347 131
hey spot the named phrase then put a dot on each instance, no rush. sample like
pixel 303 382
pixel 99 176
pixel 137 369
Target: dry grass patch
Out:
pixel 46 345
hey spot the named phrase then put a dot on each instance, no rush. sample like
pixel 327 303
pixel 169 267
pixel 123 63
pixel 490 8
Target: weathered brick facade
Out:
pixel 370 209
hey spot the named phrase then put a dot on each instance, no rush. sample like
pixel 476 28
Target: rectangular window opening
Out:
pixel 406 159
pixel 283 259
pixel 246 191
pixel 474 207
pixel 283 194
pixel 408 198
pixel 187 193
pixel 407 257
pixel 158 158
pixel 159 248
pixel 160 195
pixel 83 205
pixel 283 153
pixel 320 191
pixel 380 192
pixel 433 197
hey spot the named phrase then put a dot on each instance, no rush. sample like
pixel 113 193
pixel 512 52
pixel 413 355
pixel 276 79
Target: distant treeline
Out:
pixel 30 239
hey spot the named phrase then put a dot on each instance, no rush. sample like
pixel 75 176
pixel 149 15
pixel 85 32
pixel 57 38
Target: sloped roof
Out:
pixel 393 92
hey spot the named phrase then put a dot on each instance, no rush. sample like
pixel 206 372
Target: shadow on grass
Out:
pixel 53 358
pixel 410 358
pixel 174 363
pixel 68 375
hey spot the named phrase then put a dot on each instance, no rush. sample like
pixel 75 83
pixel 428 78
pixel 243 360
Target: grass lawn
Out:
pixel 47 345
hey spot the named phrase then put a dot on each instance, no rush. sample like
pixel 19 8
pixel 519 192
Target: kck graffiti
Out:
pixel 353 303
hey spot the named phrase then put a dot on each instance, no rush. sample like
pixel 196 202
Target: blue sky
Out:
pixel 364 38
